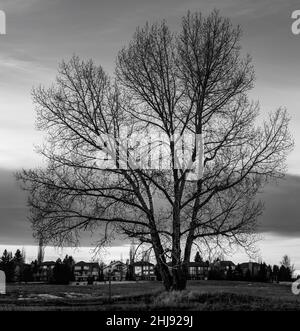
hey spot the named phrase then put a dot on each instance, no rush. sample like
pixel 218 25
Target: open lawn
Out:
pixel 200 295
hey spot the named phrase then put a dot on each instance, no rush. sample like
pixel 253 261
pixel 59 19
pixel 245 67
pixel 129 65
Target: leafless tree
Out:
pixel 286 262
pixel 191 82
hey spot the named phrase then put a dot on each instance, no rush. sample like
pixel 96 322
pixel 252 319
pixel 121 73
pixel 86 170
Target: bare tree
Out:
pixel 286 262
pixel 194 83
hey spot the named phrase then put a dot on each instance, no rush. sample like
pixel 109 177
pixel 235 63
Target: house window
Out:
pixel 138 270
pixel 193 270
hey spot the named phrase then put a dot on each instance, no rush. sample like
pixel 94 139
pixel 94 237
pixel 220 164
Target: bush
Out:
pixel 175 298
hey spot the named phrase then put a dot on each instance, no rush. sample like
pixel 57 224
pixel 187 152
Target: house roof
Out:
pixel 116 263
pixel 246 264
pixel 198 264
pixel 48 263
pixel 224 264
pixel 227 264
pixel 113 264
pixel 87 264
pixel 142 263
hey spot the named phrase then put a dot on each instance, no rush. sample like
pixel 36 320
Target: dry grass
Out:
pixel 200 295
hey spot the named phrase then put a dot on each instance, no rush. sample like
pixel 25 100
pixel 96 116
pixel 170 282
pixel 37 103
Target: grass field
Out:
pixel 200 295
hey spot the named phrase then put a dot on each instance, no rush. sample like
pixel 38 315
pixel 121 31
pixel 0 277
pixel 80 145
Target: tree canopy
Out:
pixel 190 83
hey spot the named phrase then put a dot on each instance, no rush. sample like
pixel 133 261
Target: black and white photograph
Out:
pixel 149 158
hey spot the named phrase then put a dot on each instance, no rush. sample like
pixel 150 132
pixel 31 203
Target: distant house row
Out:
pixel 142 270
pixel 115 271
pixel 92 271
pixel 201 270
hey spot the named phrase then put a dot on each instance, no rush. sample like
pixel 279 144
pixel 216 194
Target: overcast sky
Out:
pixel 41 33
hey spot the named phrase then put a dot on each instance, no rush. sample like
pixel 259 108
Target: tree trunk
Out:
pixel 165 275
pixel 178 272
pixel 174 280
pixel 161 261
pixel 179 279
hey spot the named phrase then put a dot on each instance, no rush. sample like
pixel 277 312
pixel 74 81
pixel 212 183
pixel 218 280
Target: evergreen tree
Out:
pixel 282 273
pixel 7 265
pixel 229 274
pixel 68 267
pixel 63 271
pixel 269 273
pixel 18 262
pixel 262 274
pixel 248 275
pixel 275 273
pixel 18 258
pixel 238 273
pixel 27 274
pixel 289 267
pixel 58 276
pixel 198 257
pixel 35 270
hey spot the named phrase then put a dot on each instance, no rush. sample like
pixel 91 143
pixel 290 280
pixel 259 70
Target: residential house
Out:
pixel 86 271
pixel 221 269
pixel 144 270
pixel 43 272
pixel 224 265
pixel 116 270
pixel 46 271
pixel 253 268
pixel 198 270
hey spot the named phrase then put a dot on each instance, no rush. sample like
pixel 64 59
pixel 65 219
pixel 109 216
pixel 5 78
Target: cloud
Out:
pixel 281 216
pixel 15 228
pixel 41 33
pixel 282 208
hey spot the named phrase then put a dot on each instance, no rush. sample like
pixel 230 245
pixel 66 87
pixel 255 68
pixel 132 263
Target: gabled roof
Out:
pixel 227 264
pixel 87 264
pixel 142 263
pixel 246 264
pixel 116 263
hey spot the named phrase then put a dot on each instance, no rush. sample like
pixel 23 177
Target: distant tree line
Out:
pixel 266 273
pixel 262 273
pixel 16 270
pixel 63 271
pixel 12 265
